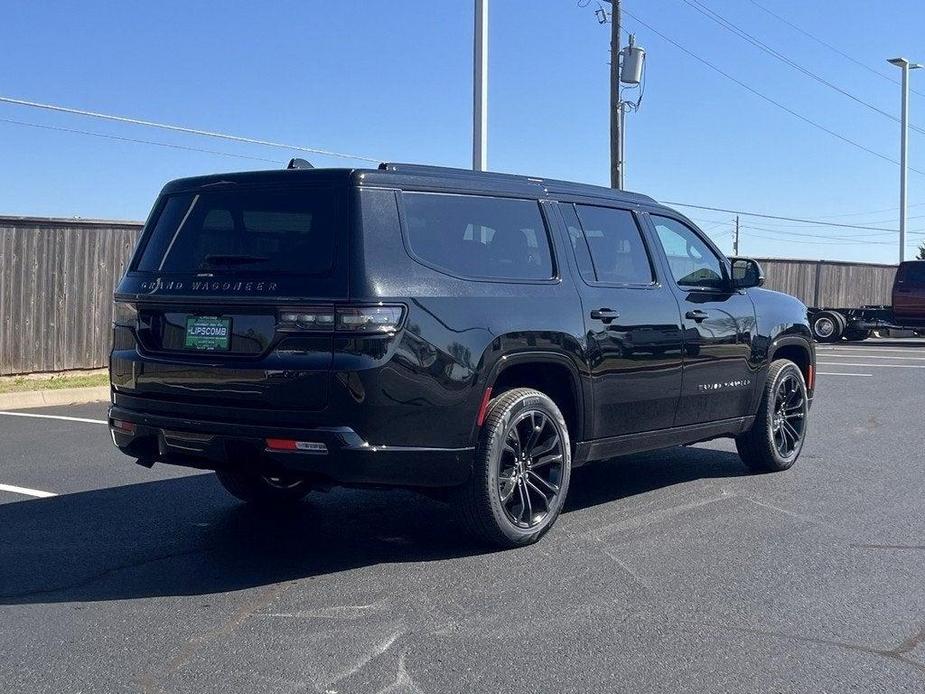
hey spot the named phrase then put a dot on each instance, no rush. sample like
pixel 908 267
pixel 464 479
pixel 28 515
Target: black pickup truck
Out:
pixel 473 334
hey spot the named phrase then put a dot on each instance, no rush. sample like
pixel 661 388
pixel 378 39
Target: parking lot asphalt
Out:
pixel 673 571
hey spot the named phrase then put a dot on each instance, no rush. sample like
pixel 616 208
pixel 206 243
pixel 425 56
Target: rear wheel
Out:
pixel 521 472
pixel 827 326
pixel 776 437
pixel 263 490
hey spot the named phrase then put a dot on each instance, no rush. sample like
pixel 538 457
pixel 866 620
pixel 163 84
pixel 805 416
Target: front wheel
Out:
pixel 263 490
pixel 776 437
pixel 521 473
pixel 827 326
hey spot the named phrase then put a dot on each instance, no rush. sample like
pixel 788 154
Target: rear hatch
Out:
pixel 230 296
pixel 909 294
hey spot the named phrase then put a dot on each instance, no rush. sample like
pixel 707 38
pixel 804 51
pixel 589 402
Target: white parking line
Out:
pixel 25 491
pixel 876 366
pixel 839 355
pixel 54 416
pixel 833 373
pixel 865 350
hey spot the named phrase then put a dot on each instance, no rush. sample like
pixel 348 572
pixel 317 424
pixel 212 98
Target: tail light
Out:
pixel 349 319
pixel 306 319
pixel 369 319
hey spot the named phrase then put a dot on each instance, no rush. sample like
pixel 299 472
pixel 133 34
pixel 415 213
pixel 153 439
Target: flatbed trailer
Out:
pixel 855 324
pixel 907 311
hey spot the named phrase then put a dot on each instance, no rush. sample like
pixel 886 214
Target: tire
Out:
pixel 777 421
pixel 503 502
pixel 857 335
pixel 262 490
pixel 827 326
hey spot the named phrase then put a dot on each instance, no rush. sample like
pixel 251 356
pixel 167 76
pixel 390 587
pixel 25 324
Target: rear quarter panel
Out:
pixel 430 384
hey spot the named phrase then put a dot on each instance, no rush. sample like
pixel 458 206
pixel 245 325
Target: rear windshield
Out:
pixel 289 231
pixel 913 273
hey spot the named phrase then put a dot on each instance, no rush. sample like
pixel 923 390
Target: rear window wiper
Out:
pixel 234 259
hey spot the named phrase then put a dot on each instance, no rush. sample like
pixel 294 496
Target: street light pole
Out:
pixel 903 150
pixel 480 88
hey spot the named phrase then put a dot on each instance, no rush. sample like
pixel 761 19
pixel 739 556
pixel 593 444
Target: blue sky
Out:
pixel 392 80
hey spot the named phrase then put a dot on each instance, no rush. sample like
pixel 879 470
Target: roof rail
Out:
pixel 549 183
pixel 400 167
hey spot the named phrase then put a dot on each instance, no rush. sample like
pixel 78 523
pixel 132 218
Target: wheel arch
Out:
pixel 800 352
pixel 553 373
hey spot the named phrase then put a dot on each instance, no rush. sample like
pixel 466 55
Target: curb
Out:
pixel 46 398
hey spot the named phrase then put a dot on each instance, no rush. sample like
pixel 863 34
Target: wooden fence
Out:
pixel 57 277
pixel 56 282
pixel 829 283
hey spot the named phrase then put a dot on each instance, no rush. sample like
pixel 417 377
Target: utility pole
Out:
pixel 480 88
pixel 616 106
pixel 903 150
pixel 735 241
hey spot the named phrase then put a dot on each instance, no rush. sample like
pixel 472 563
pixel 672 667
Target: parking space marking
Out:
pixel 39 494
pixel 876 366
pixel 865 350
pixel 839 355
pixel 833 373
pixel 54 416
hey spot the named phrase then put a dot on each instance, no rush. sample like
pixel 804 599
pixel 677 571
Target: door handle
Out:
pixel 604 314
pixel 697 315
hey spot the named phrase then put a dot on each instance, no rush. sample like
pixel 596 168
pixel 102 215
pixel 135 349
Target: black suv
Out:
pixel 439 329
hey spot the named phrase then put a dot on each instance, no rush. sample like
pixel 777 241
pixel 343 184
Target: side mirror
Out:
pixel 746 273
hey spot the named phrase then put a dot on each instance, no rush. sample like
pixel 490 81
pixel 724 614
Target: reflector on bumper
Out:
pixel 296 446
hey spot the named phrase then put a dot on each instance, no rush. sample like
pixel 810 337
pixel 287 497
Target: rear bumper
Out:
pixel 342 457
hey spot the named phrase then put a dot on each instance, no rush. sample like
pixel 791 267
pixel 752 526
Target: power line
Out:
pixel 832 48
pixel 716 226
pixel 821 242
pixel 870 212
pixel 814 222
pixel 761 95
pixel 181 129
pixel 856 238
pixel 802 225
pixel 135 140
pixel 845 237
pixel 741 33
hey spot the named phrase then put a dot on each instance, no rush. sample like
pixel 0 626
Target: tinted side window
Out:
pixel 693 263
pixel 616 245
pixel 478 236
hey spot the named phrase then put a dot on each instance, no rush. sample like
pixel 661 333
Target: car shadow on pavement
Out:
pixel 186 536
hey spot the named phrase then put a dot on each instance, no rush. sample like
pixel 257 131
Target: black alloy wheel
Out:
pixel 775 439
pixel 521 470
pixel 530 475
pixel 789 418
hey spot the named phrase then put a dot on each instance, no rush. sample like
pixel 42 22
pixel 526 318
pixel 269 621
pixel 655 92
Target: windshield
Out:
pixel 290 230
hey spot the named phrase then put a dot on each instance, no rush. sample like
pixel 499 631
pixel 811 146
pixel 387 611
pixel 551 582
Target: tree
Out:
pixel 921 255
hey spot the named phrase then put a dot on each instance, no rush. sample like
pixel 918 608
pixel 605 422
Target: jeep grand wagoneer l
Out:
pixel 435 328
